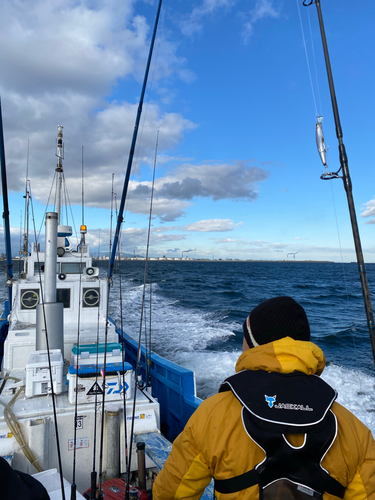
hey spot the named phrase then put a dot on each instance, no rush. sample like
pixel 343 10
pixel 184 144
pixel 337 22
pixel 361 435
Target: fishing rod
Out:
pixel 132 148
pixel 148 351
pixel 8 248
pixel 140 327
pixel 344 168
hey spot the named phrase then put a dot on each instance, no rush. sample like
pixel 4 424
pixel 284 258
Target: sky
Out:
pixel 233 100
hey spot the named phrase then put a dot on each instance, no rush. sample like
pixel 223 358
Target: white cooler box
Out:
pixel 38 380
pixel 89 383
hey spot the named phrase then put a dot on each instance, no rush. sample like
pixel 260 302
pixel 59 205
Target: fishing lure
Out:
pixel 322 149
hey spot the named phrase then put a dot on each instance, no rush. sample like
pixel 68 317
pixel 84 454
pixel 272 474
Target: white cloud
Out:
pixel 194 21
pixel 369 211
pixel 211 225
pixel 262 9
pixel 228 240
pixel 59 60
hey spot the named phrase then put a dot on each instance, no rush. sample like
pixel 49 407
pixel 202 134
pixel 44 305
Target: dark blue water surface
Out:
pixel 330 293
pixel 197 308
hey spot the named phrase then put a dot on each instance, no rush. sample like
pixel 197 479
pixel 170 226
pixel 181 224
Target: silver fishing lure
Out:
pixel 322 149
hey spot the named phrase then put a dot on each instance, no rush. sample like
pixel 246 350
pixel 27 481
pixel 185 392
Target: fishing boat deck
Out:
pixel 35 418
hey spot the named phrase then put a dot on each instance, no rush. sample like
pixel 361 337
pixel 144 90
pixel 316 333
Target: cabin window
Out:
pixel 39 266
pixel 91 297
pixel 29 298
pixel 72 267
pixel 63 296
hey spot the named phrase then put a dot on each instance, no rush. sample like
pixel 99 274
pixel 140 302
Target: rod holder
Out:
pixel 113 440
pixel 141 465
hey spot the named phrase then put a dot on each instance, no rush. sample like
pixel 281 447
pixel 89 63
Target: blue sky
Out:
pixel 237 168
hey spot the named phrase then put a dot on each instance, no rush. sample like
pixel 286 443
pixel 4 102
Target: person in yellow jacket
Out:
pixel 233 439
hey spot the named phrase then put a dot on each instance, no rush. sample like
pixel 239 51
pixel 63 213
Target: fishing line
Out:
pixel 74 486
pixel 93 473
pixel 149 93
pixel 340 246
pixel 314 59
pixel 141 320
pixel 110 228
pixel 103 373
pixel 148 358
pixel 123 352
pixel 307 58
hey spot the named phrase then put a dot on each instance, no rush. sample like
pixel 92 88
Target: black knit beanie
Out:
pixel 275 319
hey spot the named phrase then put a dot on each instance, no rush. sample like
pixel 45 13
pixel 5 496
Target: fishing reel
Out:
pixel 327 176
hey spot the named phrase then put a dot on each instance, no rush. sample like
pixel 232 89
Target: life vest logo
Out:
pixel 270 400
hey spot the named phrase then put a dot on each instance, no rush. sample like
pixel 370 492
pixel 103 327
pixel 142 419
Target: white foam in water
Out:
pixel 182 336
pixel 356 391
pixel 174 329
pixel 210 369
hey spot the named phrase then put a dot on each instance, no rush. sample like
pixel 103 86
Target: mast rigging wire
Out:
pixel 45 210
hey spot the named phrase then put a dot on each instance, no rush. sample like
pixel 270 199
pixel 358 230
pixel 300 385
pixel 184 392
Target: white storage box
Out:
pixel 89 384
pixel 38 379
pixel 87 354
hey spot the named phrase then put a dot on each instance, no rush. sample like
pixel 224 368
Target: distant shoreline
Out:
pixel 140 259
pixel 153 259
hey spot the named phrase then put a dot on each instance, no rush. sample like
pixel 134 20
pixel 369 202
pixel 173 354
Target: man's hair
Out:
pixel 275 319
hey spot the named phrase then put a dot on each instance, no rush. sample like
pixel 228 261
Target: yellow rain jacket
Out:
pixel 215 444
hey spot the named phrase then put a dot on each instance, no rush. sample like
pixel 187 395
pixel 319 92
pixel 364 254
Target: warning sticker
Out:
pixel 95 389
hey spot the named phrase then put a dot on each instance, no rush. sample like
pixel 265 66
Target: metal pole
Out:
pixel 348 188
pixel 59 170
pixel 132 148
pixel 6 211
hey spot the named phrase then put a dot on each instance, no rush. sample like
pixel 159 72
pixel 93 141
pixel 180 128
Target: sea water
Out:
pixel 194 311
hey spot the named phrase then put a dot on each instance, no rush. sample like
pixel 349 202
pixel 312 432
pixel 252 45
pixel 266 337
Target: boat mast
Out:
pixel 132 149
pixel 344 167
pixel 59 170
pixel 25 247
pixel 6 211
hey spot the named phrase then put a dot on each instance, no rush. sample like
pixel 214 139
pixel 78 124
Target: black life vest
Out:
pixel 276 404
